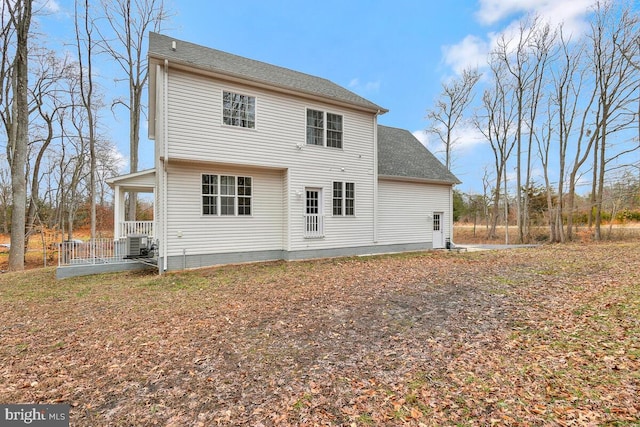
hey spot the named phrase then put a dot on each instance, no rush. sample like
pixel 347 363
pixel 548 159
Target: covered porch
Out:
pixel 138 182
pixel 78 258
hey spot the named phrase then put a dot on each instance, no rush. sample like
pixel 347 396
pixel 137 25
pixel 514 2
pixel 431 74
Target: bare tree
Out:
pixel 73 168
pixel 108 166
pixel 541 54
pixel 130 21
pixel 85 45
pixel 495 120
pixel 525 58
pixel 16 117
pixel 568 128
pixel 449 109
pixel 613 31
pixel 49 99
pixel 543 139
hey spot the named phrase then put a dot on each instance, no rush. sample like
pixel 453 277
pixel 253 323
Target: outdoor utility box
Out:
pixel 137 246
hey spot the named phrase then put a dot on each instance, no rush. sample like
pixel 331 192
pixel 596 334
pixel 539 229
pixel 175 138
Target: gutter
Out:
pixel 416 179
pixel 165 143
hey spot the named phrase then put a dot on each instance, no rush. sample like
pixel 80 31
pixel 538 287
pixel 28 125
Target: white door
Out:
pixel 314 220
pixel 438 230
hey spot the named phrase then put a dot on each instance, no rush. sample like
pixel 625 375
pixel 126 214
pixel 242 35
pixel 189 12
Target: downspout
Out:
pixel 375 177
pixel 452 245
pixel 165 143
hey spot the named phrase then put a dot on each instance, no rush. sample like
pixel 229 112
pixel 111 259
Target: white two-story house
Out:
pixel 258 162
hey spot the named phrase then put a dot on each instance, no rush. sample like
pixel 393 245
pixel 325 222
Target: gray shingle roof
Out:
pixel 160 47
pixel 400 154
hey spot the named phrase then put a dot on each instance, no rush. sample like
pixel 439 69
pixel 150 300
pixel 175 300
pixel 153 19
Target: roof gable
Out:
pixel 204 58
pixel 401 155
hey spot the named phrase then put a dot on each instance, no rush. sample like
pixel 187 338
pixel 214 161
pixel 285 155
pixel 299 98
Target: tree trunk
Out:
pixel 21 17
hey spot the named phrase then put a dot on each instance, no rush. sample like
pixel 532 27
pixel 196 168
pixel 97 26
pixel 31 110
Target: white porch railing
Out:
pixel 96 251
pixel 126 228
pixel 99 251
pixel 313 226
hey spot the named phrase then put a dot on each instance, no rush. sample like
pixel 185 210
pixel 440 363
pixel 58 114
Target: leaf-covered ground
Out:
pixel 529 337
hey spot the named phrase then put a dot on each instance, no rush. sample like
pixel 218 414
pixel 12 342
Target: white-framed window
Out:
pixel 209 194
pixel 238 110
pixel 244 195
pixel 344 198
pixel 315 127
pixel 334 130
pixel 226 195
pixel 338 198
pixel 324 129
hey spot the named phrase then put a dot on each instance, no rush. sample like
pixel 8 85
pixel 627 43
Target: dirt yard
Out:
pixel 528 337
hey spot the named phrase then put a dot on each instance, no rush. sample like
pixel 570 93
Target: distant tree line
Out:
pixel 568 106
pixel 52 106
pixel 621 205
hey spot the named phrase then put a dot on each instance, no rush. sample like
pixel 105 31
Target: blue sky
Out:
pixel 394 53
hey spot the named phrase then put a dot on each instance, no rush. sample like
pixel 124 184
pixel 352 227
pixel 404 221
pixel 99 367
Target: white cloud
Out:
pixel 372 86
pixel 492 11
pixel 368 87
pixel 50 6
pixel 465 138
pixel 556 11
pixel 473 50
pixel 422 136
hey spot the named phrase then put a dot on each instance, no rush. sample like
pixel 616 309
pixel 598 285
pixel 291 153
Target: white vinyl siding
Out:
pixel 195 233
pixel 406 209
pixel 197 132
pixel 197 135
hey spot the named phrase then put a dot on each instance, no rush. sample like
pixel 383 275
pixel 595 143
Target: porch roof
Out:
pixel 141 182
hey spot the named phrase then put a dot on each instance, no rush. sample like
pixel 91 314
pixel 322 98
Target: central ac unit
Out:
pixel 138 246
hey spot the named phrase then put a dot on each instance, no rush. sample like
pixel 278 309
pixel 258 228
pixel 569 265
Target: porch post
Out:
pixel 118 211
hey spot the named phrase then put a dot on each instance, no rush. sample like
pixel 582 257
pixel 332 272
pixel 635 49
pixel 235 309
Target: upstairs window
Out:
pixel 226 195
pixel 324 132
pixel 344 198
pixel 315 127
pixel 334 130
pixel 238 110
